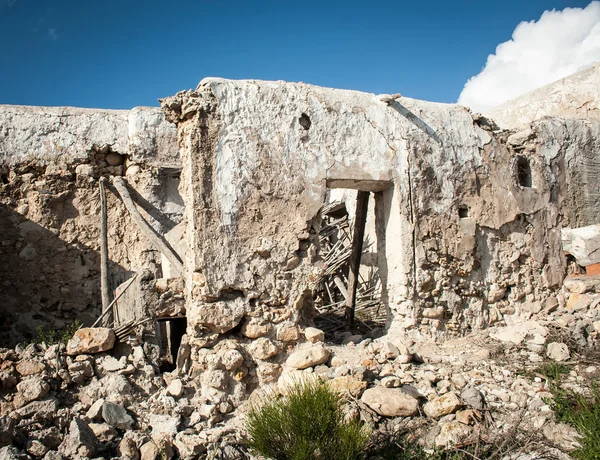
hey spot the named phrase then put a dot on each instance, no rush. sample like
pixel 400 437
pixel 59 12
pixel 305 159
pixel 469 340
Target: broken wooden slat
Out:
pixel 144 227
pixel 360 219
pixel 109 309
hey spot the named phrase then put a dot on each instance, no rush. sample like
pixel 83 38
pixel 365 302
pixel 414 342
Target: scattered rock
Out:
pixel 314 335
pixel 80 441
pixel 263 349
pixel 390 402
pixel 452 433
pixel 90 340
pixel 308 357
pixel 558 351
pixel 175 388
pixel 30 367
pixel 116 415
pixel 32 389
pixel 348 384
pixel 443 405
pixel 471 396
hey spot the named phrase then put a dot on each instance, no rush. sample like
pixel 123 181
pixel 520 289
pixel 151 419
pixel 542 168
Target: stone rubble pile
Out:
pixel 95 399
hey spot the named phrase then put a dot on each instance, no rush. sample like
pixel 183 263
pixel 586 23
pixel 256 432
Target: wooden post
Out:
pixel 104 275
pixel 145 227
pixel 360 219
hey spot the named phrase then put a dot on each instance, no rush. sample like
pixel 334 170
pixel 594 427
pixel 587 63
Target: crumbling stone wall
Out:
pixel 51 160
pixel 464 239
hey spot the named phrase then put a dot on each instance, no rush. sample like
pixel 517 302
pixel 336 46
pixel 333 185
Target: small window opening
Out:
pixel 524 172
pixel 169 332
pixel 304 121
pixel 463 212
pixel 4 178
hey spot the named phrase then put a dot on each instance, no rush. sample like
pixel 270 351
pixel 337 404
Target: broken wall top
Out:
pixel 576 96
pixel 68 134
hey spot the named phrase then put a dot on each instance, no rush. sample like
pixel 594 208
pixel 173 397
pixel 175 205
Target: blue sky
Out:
pixel 119 54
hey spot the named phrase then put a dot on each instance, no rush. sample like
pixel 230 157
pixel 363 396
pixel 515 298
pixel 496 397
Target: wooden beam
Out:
pixel 145 228
pixel 360 219
pixel 106 293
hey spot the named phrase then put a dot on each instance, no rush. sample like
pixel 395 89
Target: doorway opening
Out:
pixel 169 333
pixel 352 248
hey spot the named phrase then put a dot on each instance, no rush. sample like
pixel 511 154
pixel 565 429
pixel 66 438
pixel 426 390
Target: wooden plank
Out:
pixel 340 285
pixel 145 228
pixel 106 293
pixel 360 219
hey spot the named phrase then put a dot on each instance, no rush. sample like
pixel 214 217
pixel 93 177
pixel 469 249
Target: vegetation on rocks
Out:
pixel 55 336
pixel 308 423
pixel 577 410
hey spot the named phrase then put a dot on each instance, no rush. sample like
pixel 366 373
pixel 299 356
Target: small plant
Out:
pixel 583 414
pixel 553 371
pixel 54 336
pixel 306 424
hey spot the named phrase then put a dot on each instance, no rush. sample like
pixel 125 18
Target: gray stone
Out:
pixel 116 415
pixel 472 397
pixel 80 441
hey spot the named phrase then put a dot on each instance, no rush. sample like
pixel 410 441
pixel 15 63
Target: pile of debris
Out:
pixel 335 241
pixel 101 397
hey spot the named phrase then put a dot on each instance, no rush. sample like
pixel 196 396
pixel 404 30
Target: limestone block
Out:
pixel 91 340
pixel 32 389
pixel 30 367
pixel 390 402
pixel 443 405
pixel 452 433
pixel 308 357
pixel 314 335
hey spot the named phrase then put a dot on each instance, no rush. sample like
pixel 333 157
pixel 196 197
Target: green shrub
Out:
pixel 54 336
pixel 583 414
pixel 306 424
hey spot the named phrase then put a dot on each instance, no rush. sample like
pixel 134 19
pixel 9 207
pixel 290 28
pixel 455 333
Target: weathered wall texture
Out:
pixel 575 96
pixel 258 158
pixel 462 240
pixel 50 162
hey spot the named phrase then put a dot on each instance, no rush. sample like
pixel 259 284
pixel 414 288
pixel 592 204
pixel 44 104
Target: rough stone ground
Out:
pixel 117 405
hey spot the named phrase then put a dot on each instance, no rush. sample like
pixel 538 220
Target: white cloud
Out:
pixel 558 44
pixel 52 34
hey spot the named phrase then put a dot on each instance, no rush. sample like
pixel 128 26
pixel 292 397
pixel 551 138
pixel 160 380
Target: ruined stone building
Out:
pixel 464 216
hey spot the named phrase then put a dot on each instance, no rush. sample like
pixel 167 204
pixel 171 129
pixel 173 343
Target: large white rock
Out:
pixel 90 340
pixel 390 402
pixel 308 357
